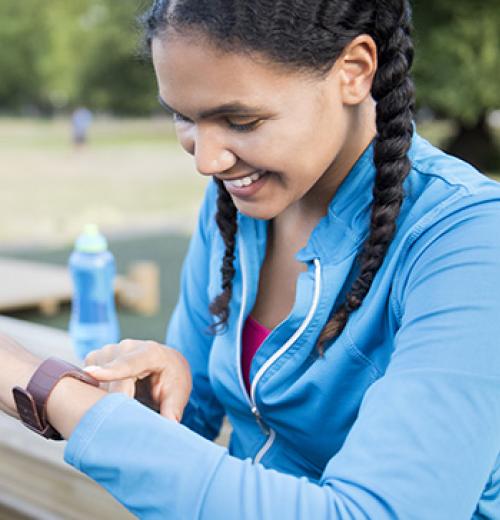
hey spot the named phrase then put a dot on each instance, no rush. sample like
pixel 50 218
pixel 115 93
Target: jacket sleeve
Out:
pixel 188 327
pixel 423 445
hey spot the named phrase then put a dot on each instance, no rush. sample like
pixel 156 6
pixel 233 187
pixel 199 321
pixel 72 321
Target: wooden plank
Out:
pixel 41 490
pixel 8 512
pixel 25 284
pixel 41 340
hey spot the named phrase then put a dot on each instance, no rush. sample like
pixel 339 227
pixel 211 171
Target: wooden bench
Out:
pixel 26 284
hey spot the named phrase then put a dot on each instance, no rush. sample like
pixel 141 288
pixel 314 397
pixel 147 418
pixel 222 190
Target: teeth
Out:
pixel 246 181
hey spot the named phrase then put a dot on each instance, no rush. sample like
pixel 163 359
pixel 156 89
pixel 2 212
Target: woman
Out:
pixel 339 298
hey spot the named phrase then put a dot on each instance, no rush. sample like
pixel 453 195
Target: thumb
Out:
pixel 172 407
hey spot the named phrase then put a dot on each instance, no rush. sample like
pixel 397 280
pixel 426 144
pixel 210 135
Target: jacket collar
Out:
pixel 346 223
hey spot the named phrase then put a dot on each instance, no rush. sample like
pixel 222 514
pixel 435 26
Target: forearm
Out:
pixel 159 469
pixel 17 366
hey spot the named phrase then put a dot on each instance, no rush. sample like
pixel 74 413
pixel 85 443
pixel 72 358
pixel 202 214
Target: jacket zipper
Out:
pixel 269 432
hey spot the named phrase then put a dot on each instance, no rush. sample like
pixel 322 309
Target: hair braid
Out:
pixel 226 219
pixel 394 93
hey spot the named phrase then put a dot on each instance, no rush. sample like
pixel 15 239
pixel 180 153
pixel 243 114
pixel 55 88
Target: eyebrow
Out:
pixel 234 108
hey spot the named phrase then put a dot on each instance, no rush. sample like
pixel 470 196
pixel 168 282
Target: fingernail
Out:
pixel 92 368
pixel 171 416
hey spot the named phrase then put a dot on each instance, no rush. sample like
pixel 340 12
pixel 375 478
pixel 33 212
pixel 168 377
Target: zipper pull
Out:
pixel 262 425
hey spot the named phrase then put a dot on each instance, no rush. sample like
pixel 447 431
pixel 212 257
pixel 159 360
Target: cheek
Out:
pixel 298 150
pixel 279 146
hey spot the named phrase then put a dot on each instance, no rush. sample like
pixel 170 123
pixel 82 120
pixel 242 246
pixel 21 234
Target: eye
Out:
pixel 238 127
pixel 246 127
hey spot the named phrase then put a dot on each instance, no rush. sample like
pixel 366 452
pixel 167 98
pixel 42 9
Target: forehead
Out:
pixel 194 74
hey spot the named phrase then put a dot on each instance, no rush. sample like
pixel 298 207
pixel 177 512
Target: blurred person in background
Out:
pixel 81 120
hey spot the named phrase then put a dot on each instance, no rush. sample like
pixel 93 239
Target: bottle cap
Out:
pixel 91 240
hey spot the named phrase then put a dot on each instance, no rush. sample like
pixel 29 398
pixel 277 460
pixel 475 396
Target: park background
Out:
pixel 132 178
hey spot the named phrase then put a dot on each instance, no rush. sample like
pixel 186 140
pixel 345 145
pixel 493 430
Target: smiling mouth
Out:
pixel 245 181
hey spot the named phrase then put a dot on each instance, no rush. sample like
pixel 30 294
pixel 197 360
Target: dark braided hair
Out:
pixel 310 35
pixel 227 223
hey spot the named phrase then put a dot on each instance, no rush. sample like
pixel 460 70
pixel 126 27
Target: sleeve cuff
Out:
pixel 88 426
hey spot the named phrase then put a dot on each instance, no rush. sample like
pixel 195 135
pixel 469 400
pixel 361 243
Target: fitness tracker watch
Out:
pixel 32 403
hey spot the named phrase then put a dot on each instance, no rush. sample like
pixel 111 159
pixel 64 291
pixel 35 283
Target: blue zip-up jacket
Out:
pixel 401 417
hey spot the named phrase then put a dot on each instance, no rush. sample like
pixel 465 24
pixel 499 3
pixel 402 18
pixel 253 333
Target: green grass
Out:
pixel 132 173
pixel 105 132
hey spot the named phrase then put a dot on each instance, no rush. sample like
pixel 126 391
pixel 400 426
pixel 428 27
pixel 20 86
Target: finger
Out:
pixel 101 356
pixel 90 358
pixel 136 364
pixel 106 354
pixel 171 410
pixel 125 386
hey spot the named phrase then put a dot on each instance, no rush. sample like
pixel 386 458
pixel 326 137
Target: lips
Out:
pixel 246 186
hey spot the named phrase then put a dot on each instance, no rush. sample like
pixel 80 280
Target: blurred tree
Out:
pixel 95 56
pixel 62 62
pixel 56 54
pixel 457 70
pixel 22 39
pixel 114 76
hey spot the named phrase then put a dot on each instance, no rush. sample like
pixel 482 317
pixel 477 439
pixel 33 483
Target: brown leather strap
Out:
pixel 32 402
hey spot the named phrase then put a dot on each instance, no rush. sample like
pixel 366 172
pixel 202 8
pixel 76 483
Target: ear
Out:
pixel 357 66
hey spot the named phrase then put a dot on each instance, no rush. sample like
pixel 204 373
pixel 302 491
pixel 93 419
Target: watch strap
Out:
pixel 32 403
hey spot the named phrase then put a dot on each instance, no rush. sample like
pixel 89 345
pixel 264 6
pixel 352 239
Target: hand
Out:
pixel 120 366
pixel 17 365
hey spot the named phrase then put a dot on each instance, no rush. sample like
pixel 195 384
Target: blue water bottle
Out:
pixel 93 322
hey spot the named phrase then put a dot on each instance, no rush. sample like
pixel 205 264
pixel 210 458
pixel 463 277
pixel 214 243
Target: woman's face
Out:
pixel 275 137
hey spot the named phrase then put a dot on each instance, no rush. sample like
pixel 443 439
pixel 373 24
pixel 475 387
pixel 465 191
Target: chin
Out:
pixel 257 211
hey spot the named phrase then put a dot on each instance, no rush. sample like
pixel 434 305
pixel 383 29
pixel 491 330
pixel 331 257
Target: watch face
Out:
pixel 27 409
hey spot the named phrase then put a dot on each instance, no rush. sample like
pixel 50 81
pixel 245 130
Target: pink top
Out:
pixel 253 335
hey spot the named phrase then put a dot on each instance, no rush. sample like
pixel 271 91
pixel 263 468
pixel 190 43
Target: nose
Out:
pixel 210 153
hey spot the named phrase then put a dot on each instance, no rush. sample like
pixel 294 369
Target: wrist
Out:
pixel 68 402
pixel 32 400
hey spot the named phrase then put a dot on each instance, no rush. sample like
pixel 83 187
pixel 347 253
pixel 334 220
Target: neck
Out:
pixel 307 212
